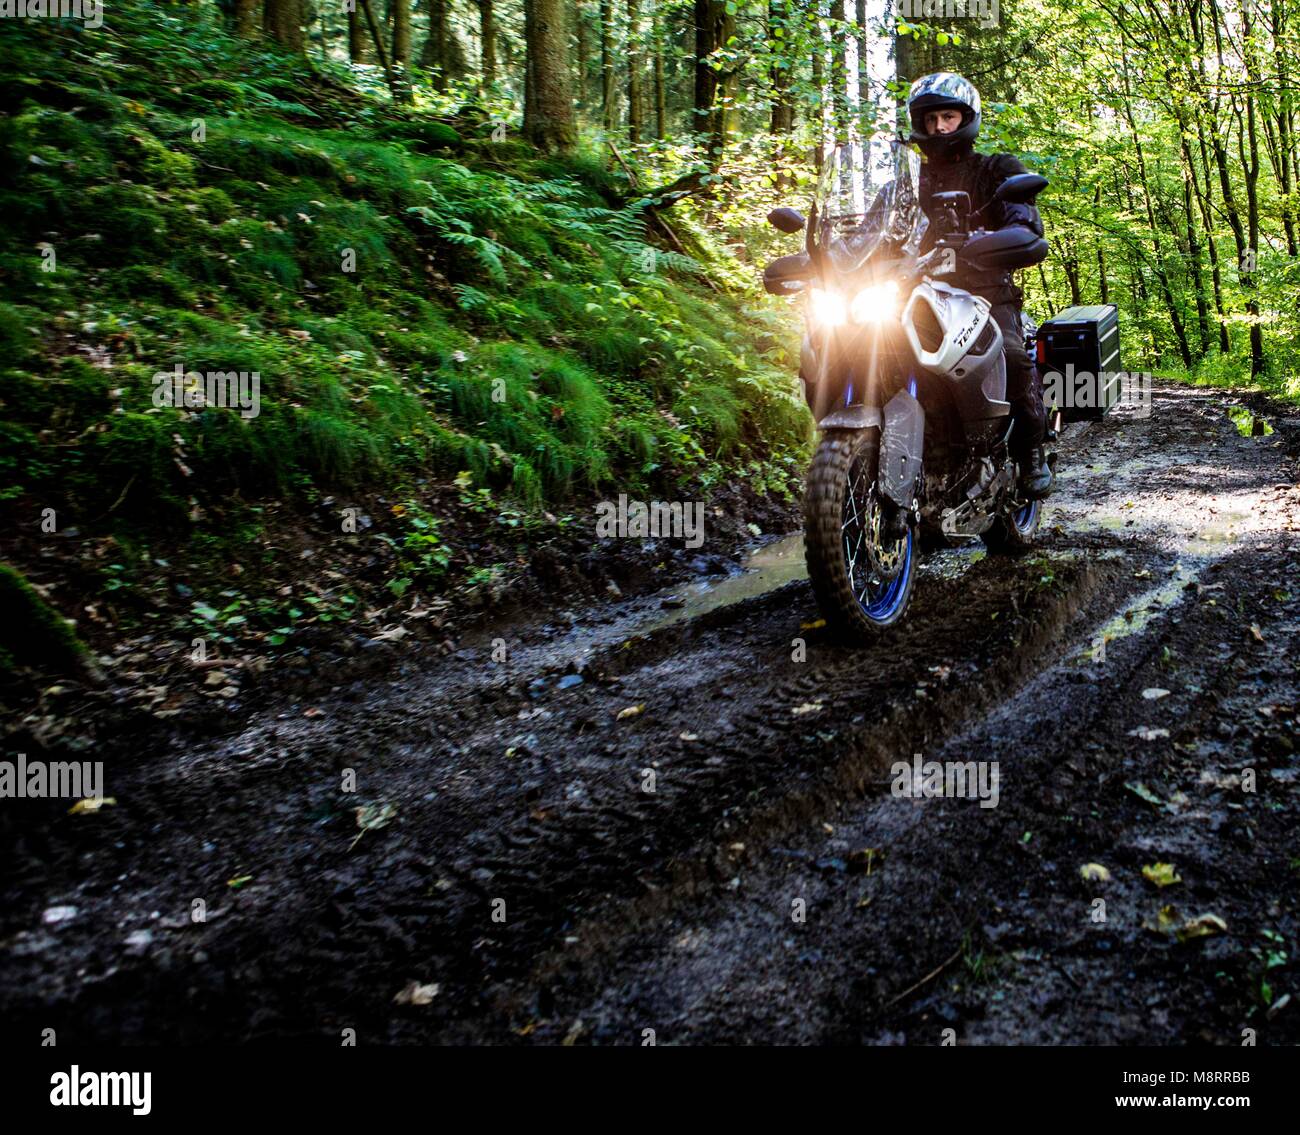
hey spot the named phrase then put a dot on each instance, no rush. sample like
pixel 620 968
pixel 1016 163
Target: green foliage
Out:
pixel 414 297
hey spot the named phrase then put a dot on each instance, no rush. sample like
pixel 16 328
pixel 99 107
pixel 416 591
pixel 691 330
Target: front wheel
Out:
pixel 861 575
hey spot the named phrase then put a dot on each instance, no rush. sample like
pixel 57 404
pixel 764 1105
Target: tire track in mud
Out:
pixel 728 965
pixel 322 937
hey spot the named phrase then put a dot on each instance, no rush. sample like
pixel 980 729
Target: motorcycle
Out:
pixel 905 375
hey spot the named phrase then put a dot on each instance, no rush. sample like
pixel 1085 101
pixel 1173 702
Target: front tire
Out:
pixel 862 582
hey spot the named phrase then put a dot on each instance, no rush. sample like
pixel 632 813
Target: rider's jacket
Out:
pixel 979 175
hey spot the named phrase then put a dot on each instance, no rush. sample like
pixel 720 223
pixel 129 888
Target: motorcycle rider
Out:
pixel 945 113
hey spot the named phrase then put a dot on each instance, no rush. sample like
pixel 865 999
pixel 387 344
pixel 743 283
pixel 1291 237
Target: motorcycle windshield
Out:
pixel 868 202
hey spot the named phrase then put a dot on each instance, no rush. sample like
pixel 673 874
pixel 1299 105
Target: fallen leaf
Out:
pixel 90 805
pixel 1202 926
pixel 1256 633
pixel 372 816
pixel 1154 693
pixel 1141 790
pixel 1146 733
pixel 688 736
pixel 1094 873
pixel 630 711
pixel 417 994
pixel 1165 921
pixel 807 707
pixel 1161 874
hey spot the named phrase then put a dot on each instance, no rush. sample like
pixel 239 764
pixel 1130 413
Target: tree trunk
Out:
pixel 606 64
pixel 661 97
pixel 818 65
pixel 488 38
pixel 282 21
pixel 584 56
pixel 713 27
pixel 840 68
pixel 401 10
pixel 356 37
pixel 782 65
pixel 245 18
pixel 433 55
pixel 549 121
pixel 635 111
pixel 1175 318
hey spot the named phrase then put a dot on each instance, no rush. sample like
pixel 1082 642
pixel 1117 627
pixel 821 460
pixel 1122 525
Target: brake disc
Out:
pixel 886 558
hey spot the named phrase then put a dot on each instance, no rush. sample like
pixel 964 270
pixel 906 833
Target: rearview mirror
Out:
pixel 1020 187
pixel 786 219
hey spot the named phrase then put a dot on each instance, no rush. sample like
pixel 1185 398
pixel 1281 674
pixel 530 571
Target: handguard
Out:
pixel 1005 250
pixel 787 274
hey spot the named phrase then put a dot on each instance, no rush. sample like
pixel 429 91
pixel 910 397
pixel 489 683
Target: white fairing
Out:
pixel 961 315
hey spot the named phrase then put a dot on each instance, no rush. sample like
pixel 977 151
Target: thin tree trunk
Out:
pixel 661 97
pixel 356 39
pixel 1194 245
pixel 818 64
pixel 580 27
pixel 1180 332
pixel 402 46
pixel 379 43
pixel 781 71
pixel 634 109
pixel 606 64
pixel 1101 250
pixel 488 39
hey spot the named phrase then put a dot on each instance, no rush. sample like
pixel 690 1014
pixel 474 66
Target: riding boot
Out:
pixel 1036 477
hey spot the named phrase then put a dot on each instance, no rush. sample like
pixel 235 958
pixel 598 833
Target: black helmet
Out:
pixel 944 91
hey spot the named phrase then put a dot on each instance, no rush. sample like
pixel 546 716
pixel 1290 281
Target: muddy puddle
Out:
pixel 768 567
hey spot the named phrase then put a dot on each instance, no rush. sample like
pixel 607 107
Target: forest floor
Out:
pixel 657 817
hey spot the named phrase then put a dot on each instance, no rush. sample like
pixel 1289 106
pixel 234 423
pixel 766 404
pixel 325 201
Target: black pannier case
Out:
pixel 1078 360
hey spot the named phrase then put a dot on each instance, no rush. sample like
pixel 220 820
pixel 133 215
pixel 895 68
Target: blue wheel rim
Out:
pixel 886 602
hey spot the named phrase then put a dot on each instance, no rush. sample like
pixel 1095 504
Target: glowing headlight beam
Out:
pixel 828 308
pixel 874 304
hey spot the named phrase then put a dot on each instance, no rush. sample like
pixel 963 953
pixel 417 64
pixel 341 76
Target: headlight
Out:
pixel 828 308
pixel 874 304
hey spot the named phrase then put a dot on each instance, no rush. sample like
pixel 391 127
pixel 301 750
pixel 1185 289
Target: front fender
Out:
pixel 852 418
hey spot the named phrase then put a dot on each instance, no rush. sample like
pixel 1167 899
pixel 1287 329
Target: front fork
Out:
pixel 902 442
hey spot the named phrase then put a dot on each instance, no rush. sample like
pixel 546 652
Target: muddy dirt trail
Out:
pixel 680 814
